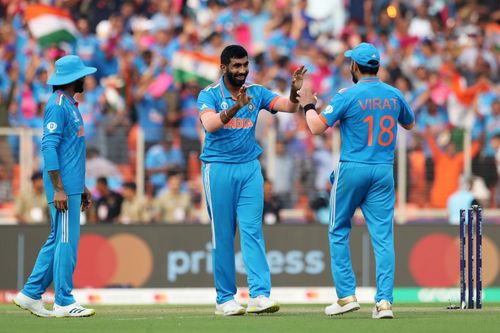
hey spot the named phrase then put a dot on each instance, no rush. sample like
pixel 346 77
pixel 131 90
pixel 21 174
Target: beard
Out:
pixel 235 81
pixel 79 85
pixel 354 78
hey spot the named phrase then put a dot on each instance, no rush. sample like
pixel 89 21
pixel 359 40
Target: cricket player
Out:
pixel 232 177
pixel 368 114
pixel 63 149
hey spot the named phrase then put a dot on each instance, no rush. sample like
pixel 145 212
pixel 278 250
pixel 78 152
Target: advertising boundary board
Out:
pixel 165 256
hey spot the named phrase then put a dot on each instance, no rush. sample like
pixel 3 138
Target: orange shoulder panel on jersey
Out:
pixel 207 110
pixel 323 119
pixel 273 102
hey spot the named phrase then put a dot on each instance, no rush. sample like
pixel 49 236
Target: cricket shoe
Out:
pixel 229 308
pixel 382 310
pixel 262 304
pixel 72 310
pixel 343 305
pixel 35 306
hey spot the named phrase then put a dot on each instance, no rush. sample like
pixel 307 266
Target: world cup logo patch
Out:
pixel 52 126
pixel 224 106
pixel 251 107
pixel 329 109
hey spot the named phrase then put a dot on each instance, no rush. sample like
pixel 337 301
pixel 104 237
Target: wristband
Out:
pixel 224 113
pixel 309 106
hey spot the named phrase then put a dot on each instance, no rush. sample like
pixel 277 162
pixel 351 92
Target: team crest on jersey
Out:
pixel 251 107
pixel 329 109
pixel 52 126
pixel 224 106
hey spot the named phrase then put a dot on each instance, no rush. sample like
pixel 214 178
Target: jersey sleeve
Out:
pixel 206 101
pixel 54 121
pixel 406 115
pixel 335 110
pixel 268 98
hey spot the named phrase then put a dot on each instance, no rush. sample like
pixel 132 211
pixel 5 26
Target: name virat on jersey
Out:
pixel 377 103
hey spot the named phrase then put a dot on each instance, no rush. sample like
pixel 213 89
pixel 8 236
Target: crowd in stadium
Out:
pixel 443 55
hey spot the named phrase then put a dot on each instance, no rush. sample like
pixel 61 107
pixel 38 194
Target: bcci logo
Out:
pixel 251 107
pixel 52 126
pixel 329 109
pixel 224 106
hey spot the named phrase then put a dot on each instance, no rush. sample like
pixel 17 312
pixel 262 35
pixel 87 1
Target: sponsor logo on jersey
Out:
pixel 237 123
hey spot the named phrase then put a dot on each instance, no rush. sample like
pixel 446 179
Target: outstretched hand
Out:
pixel 298 77
pixel 306 95
pixel 242 97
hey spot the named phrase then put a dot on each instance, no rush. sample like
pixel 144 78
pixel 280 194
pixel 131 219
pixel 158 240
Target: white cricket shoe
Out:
pixel 382 310
pixel 229 308
pixel 343 305
pixel 72 310
pixel 262 304
pixel 35 306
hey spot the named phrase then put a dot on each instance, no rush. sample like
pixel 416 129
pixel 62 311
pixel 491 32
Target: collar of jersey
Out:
pixel 68 97
pixel 223 90
pixel 369 79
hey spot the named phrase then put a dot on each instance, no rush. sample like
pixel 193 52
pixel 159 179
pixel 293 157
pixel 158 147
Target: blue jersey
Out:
pixel 235 142
pixel 368 114
pixel 63 144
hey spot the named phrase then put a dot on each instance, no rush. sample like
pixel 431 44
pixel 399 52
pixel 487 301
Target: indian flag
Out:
pixel 50 25
pixel 195 66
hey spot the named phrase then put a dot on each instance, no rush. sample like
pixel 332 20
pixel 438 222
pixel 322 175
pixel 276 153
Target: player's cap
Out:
pixel 69 69
pixel 364 54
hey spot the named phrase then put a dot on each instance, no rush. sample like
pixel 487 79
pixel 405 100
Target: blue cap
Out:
pixel 363 54
pixel 69 69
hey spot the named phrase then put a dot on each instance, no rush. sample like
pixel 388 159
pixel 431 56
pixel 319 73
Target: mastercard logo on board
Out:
pixel 120 260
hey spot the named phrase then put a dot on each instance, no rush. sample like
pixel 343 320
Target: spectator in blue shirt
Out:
pixel 189 122
pixel 151 112
pixel 436 119
pixel 91 107
pixel 486 164
pixel 231 19
pixel 160 159
pixel 41 90
pixel 87 44
pixel 283 41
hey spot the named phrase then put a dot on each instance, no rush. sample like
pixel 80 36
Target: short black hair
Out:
pixel 102 180
pixel 36 175
pixel 130 186
pixel 174 172
pixel 61 87
pixel 232 52
pixel 64 86
pixel 369 70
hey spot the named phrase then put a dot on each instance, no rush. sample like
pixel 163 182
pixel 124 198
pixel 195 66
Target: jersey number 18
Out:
pixel 383 129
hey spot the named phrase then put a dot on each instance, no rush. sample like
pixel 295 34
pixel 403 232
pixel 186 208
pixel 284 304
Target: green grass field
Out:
pixel 291 318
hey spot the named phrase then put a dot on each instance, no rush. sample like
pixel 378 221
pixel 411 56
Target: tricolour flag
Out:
pixel 50 25
pixel 195 66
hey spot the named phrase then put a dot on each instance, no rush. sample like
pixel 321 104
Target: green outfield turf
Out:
pixel 290 319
